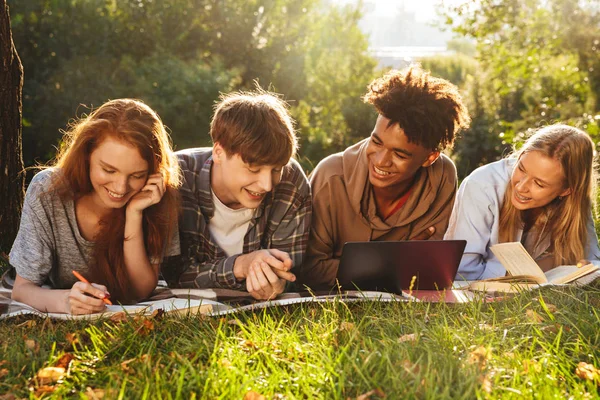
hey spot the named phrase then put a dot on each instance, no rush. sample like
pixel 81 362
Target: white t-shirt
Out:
pixel 228 226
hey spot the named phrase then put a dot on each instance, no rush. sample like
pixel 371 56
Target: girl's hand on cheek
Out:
pixel 150 194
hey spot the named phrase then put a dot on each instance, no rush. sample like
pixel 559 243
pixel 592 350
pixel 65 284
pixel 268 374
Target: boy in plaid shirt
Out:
pixel 246 202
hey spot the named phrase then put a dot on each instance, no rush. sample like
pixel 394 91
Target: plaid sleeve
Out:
pixel 193 269
pixel 208 274
pixel 295 210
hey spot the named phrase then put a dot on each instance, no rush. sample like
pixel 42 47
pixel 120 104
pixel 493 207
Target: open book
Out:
pixel 524 273
pixel 187 302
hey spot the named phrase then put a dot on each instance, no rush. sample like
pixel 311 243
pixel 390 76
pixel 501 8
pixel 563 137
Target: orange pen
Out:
pixel 82 279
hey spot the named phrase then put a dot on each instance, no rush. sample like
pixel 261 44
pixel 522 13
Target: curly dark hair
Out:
pixel 429 110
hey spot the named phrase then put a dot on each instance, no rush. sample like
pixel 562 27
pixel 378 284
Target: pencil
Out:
pixel 82 279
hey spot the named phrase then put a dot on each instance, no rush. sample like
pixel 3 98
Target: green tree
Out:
pixel 178 55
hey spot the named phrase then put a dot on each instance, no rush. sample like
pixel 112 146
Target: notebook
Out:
pixel 400 265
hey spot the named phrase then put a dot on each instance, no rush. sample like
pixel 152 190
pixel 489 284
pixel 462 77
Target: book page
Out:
pixel 508 287
pixel 517 260
pixel 569 273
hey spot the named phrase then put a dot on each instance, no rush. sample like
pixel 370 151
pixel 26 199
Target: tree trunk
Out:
pixel 12 178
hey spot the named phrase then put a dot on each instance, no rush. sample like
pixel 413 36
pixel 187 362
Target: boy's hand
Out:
pixel 150 194
pixel 425 235
pixel 85 298
pixel 279 262
pixel 262 283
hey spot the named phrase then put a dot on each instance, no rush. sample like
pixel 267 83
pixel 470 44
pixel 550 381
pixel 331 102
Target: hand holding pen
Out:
pixel 86 297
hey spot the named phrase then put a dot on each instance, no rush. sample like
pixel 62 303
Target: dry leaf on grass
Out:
pixel 347 326
pixel 44 389
pixel 479 356
pixel 3 372
pixel 551 308
pixel 486 384
pixel 252 395
pixel 411 337
pixel 531 365
pixel 32 345
pixel 65 361
pixel 588 372
pixel 120 316
pixel 94 394
pixel 49 375
pixel 8 396
pixel 157 314
pixel 145 327
pixel 28 324
pixel 375 392
pixel 72 338
pixel 248 344
pixel 125 364
pixel 534 316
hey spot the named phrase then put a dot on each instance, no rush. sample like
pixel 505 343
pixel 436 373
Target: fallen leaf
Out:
pixel 486 384
pixel 72 338
pixel 125 364
pixel 252 395
pixel 551 308
pixel 8 396
pixel 50 375
pixel 32 345
pixel 411 337
pixel 28 324
pixel 3 372
pixel 157 314
pixel 65 361
pixel 94 394
pixel 347 326
pixel 225 363
pixel 146 326
pixel 366 396
pixel 531 365
pixel 42 390
pixel 248 344
pixel 479 356
pixel 120 316
pixel 588 372
pixel 534 316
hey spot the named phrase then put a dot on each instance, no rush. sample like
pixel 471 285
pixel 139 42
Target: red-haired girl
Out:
pixel 107 208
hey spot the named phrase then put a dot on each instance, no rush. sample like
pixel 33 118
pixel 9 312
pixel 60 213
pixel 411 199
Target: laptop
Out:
pixel 391 266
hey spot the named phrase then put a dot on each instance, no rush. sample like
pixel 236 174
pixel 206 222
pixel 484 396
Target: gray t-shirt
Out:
pixel 49 245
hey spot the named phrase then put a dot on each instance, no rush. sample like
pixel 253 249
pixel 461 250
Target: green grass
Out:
pixel 526 346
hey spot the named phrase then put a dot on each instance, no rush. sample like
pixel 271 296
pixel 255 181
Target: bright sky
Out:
pixel 424 10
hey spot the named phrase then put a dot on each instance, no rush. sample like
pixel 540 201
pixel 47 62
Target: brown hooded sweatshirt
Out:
pixel 344 210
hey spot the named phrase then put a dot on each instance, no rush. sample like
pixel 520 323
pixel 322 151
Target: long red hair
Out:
pixel 137 124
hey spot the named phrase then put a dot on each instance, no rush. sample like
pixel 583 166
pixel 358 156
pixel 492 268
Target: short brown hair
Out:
pixel 429 110
pixel 256 125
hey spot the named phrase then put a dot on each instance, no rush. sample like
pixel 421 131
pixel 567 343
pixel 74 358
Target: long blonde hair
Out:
pixel 137 124
pixel 574 150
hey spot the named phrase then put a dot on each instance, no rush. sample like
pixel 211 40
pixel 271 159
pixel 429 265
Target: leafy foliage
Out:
pixel 179 55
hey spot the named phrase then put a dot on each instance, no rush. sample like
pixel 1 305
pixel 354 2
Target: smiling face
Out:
pixel 117 173
pixel 393 160
pixel 238 184
pixel 536 181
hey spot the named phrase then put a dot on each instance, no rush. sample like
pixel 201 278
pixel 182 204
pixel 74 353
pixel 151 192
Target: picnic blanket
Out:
pixel 193 301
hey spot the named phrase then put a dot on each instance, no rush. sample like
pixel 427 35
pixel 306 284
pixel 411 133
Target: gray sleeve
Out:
pixel 33 250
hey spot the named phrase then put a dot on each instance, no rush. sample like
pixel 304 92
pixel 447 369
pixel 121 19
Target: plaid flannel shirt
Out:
pixel 282 221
